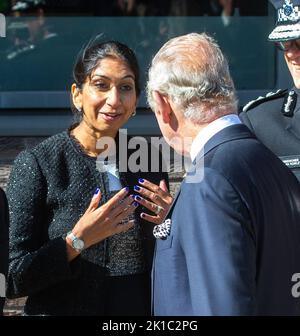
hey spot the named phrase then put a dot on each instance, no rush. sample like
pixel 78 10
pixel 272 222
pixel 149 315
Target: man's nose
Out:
pixel 293 51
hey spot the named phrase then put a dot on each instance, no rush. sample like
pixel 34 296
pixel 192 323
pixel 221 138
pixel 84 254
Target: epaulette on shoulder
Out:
pixel 269 96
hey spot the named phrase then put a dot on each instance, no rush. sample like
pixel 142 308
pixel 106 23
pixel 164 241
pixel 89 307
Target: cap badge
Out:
pixel 287 12
pixel 288 8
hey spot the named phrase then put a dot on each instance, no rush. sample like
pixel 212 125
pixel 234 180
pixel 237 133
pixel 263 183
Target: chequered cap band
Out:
pixel 285 32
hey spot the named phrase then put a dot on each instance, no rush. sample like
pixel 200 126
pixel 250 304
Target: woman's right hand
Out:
pixel 98 223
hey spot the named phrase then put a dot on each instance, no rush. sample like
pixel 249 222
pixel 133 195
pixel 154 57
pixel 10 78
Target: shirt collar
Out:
pixel 210 130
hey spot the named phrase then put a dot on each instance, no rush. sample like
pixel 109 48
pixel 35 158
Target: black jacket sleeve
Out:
pixel 35 261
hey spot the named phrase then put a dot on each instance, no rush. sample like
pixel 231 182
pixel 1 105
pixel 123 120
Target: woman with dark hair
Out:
pixel 3 247
pixel 70 253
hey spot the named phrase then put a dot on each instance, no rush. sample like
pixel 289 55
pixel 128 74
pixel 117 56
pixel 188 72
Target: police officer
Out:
pixel 275 119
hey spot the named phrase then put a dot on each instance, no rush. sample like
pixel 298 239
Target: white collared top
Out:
pixel 113 177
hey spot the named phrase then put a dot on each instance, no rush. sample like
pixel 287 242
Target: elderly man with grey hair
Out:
pixel 230 244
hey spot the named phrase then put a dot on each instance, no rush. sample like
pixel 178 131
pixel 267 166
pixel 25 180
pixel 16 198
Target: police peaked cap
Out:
pixel 288 20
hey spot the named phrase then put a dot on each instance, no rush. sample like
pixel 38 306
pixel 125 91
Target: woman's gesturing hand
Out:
pixel 98 223
pixel 155 198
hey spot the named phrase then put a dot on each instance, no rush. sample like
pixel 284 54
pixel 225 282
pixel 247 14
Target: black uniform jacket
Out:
pixel 275 120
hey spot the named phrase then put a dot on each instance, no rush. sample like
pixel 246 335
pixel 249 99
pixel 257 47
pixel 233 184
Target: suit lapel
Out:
pixel 169 213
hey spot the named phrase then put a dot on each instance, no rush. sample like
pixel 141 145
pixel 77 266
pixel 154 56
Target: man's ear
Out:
pixel 163 106
pixel 76 96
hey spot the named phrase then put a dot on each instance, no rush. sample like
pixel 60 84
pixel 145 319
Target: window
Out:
pixel 41 43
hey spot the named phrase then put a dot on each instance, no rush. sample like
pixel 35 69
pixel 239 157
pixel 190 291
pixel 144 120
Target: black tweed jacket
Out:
pixel 49 189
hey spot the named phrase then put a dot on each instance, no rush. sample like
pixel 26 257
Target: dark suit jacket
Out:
pixel 235 236
pixel 3 244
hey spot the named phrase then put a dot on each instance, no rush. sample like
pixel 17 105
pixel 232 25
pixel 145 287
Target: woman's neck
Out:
pixel 89 137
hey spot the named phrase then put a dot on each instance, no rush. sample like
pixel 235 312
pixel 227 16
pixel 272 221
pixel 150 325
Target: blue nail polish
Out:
pixel 127 188
pixel 135 204
pixel 136 188
pixel 142 215
pixel 132 196
pixel 141 180
pixel 97 191
pixel 137 198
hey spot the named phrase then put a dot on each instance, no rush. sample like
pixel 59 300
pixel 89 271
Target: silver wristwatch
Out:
pixel 77 243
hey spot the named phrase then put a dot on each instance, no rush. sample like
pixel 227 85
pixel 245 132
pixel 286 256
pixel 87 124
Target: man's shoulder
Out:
pixel 233 158
pixel 270 99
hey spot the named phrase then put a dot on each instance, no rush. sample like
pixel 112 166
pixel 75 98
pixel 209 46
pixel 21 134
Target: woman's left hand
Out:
pixel 158 200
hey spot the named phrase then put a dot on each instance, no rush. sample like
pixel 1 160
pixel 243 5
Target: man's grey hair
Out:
pixel 192 71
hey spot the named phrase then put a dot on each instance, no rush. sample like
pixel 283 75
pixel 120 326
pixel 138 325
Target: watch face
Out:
pixel 78 244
